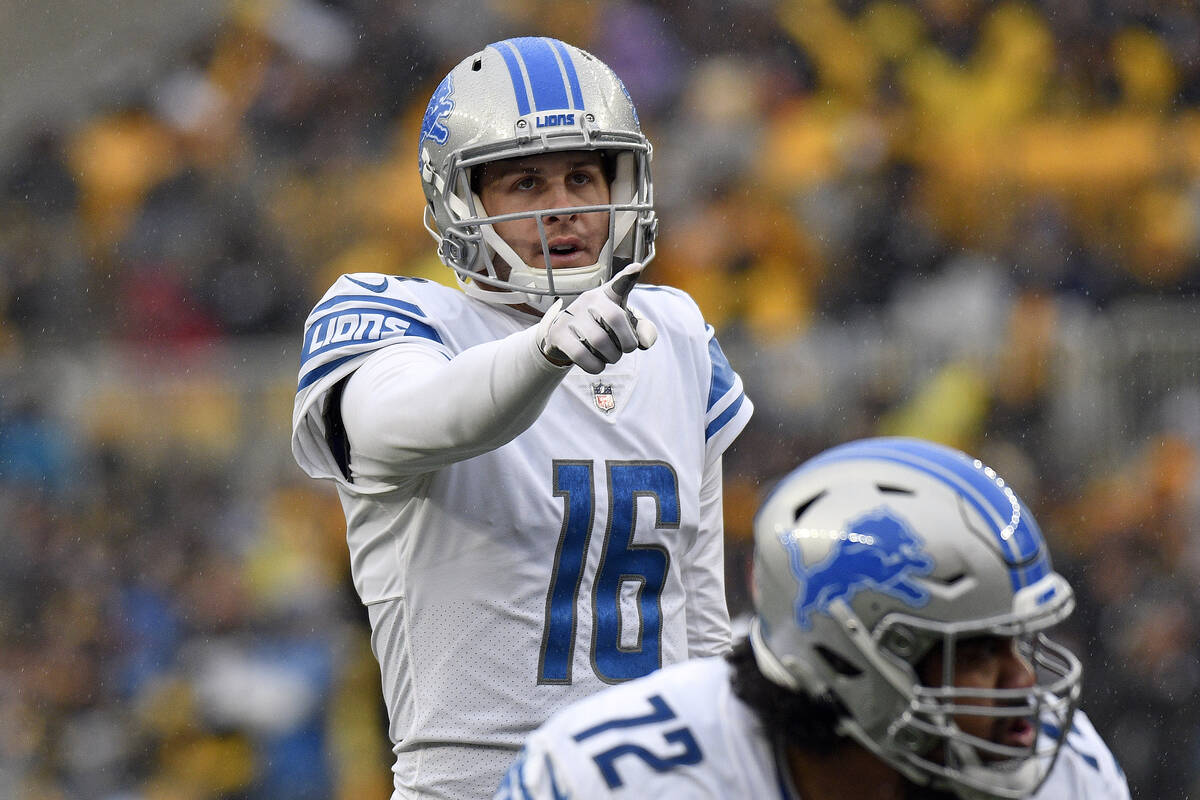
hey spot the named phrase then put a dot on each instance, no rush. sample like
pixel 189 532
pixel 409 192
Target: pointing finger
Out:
pixel 619 287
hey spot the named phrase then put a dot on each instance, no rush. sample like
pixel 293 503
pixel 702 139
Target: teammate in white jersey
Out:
pixel 902 592
pixel 530 467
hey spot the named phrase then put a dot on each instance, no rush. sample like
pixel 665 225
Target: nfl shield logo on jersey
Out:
pixel 602 393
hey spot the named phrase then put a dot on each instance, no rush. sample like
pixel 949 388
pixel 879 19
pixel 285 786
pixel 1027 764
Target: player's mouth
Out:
pixel 1018 733
pixel 568 251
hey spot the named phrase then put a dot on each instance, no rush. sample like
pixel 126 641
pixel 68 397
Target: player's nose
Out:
pixel 561 196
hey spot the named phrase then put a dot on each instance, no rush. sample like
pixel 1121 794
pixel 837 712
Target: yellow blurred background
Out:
pixel 971 221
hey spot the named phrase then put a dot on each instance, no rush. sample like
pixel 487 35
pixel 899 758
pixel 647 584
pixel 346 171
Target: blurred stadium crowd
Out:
pixel 967 220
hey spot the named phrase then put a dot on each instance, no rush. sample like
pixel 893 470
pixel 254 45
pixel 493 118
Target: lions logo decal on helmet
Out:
pixel 878 551
pixel 440 106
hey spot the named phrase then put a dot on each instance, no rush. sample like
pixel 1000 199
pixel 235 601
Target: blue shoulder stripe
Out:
pixel 723 376
pixel 724 417
pixel 316 374
pixel 368 298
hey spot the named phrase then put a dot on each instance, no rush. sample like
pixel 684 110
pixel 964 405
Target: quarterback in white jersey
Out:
pixel 899 651
pixel 530 467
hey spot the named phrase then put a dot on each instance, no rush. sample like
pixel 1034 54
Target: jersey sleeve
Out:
pixel 408 405
pixel 727 409
pixel 359 315
pixel 408 412
pixel 708 624
pixel 1085 768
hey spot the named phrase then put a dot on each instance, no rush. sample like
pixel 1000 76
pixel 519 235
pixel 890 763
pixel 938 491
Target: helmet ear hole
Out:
pixel 807 504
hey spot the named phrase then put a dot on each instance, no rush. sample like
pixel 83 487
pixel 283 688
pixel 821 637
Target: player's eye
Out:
pixel 982 649
pixel 525 183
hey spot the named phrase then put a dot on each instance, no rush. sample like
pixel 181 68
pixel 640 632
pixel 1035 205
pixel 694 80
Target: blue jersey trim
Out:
pixel 514 73
pixel 725 416
pixel 320 372
pixel 368 298
pixel 723 376
pixel 1054 732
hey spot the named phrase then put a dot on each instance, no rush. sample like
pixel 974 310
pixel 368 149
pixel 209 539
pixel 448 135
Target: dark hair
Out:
pixel 794 718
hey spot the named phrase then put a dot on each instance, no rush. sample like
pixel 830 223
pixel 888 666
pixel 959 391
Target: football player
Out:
pixel 529 464
pixel 899 650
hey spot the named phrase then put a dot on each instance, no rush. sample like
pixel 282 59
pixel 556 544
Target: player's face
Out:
pixel 986 662
pixel 551 180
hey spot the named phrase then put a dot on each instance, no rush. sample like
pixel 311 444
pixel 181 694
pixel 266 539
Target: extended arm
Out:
pixel 409 410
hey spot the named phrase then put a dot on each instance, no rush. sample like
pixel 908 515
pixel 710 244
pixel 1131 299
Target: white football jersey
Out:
pixel 506 585
pixel 682 734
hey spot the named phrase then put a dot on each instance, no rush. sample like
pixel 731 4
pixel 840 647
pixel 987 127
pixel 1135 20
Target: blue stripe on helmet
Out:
pixel 572 77
pixel 545 73
pixel 514 74
pixel 1012 525
pixel 1018 529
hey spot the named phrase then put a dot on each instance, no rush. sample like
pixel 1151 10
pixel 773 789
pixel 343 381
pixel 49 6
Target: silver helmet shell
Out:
pixel 518 98
pixel 869 556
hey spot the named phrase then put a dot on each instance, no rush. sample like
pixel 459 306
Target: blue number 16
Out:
pixel 621 561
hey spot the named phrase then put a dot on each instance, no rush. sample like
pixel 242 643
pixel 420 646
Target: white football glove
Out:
pixel 597 329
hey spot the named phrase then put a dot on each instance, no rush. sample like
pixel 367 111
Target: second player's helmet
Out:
pixel 522 97
pixel 873 554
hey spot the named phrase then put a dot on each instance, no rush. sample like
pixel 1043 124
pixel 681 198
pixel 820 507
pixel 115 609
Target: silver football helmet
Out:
pixel 522 97
pixel 871 555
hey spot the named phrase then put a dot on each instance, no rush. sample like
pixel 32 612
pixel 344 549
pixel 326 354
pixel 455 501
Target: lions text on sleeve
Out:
pixel 506 585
